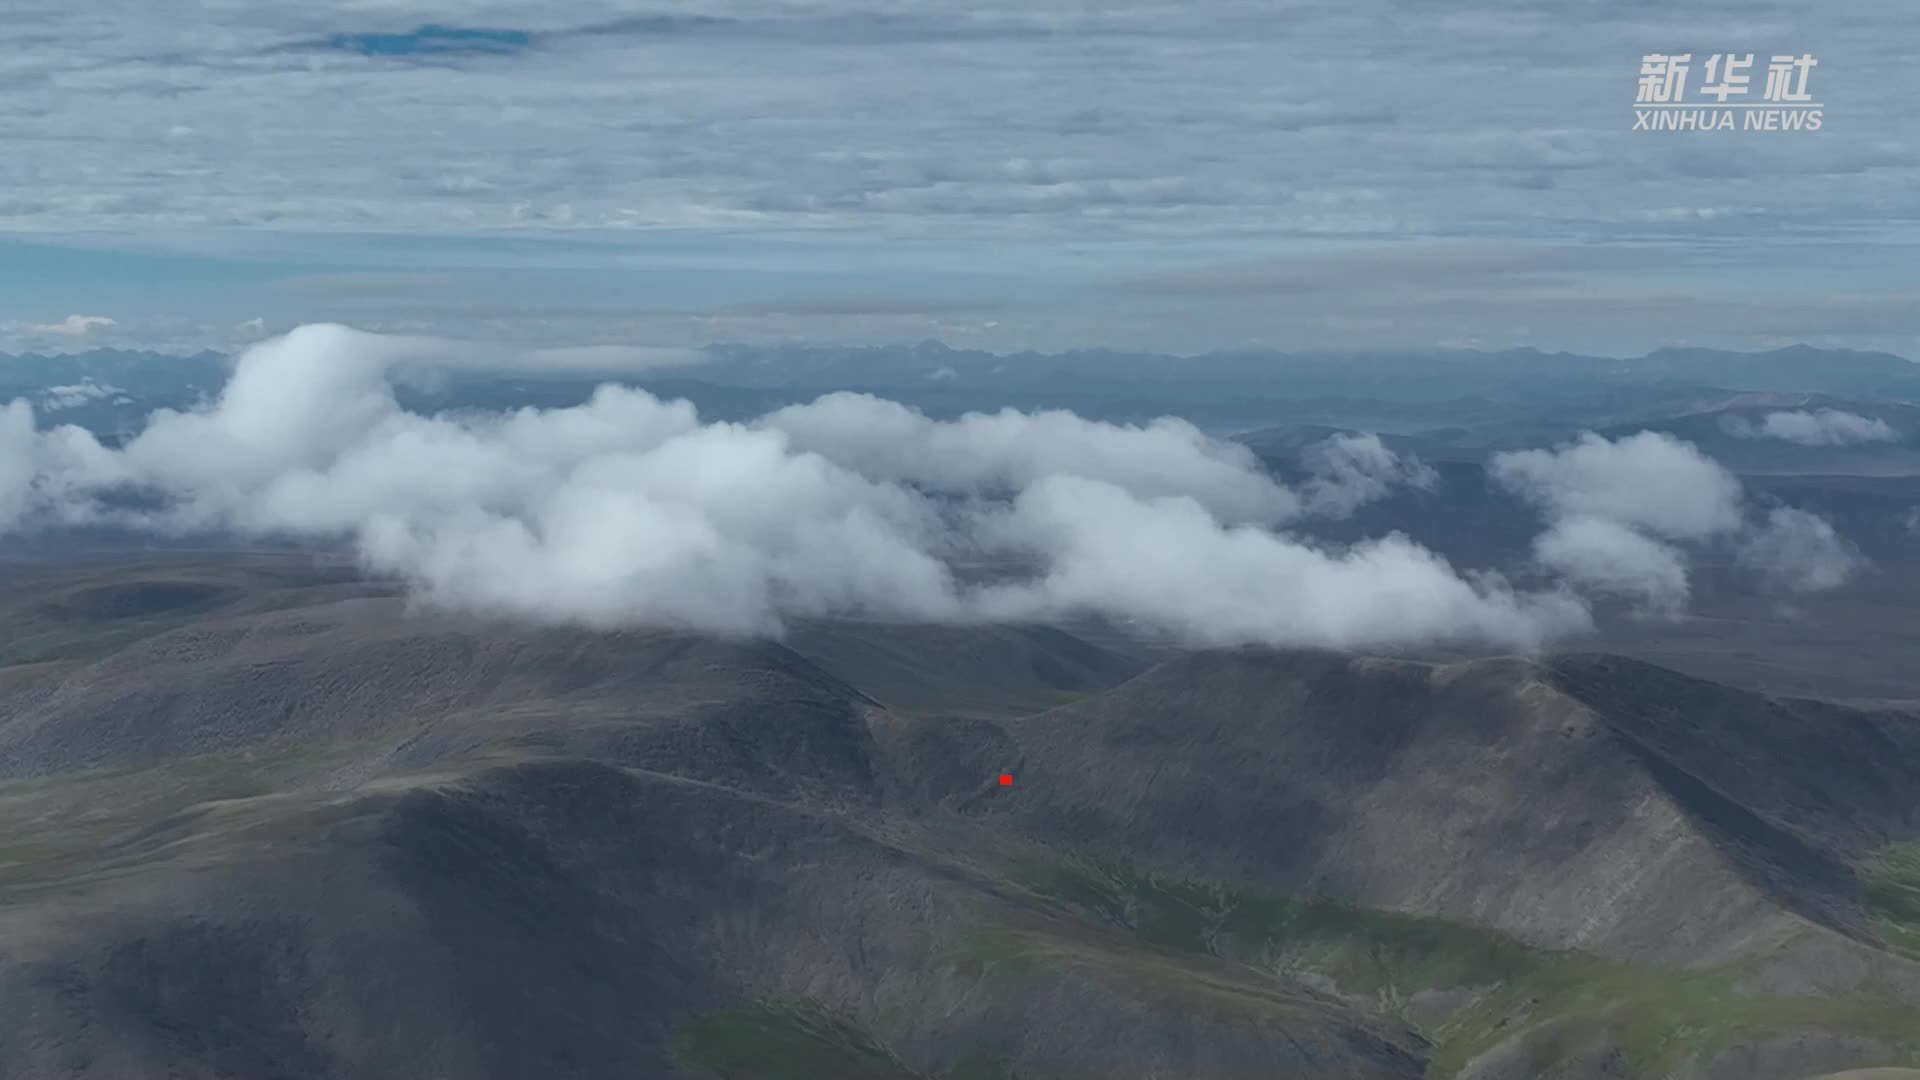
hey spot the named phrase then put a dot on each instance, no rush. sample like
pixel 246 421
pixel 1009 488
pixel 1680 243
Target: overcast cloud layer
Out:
pixel 1344 118
pixel 629 509
pixel 1002 172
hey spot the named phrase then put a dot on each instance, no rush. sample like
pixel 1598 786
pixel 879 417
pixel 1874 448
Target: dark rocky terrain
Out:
pixel 263 821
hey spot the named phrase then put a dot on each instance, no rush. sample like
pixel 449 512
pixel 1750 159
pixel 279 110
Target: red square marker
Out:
pixel 1006 779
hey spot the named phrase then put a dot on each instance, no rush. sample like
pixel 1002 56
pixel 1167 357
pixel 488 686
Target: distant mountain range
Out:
pixel 1409 376
pixel 1748 431
pixel 1400 391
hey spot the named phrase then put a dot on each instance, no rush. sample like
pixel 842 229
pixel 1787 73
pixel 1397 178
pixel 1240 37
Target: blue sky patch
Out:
pixel 434 39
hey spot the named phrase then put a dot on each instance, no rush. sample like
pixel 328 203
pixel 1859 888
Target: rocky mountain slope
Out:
pixel 263 821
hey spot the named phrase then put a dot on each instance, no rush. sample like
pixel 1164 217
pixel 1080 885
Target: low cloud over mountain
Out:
pixel 1815 427
pixel 1618 511
pixel 628 509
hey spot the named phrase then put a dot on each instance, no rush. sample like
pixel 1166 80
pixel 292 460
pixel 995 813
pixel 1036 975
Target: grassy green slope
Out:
pixel 57 832
pixel 1893 896
pixel 83 614
pixel 787 1041
pixel 1468 989
pixel 796 1040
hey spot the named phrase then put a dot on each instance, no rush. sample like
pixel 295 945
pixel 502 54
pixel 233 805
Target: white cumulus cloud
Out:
pixel 632 510
pixel 1649 480
pixel 1607 557
pixel 1817 427
pixel 77 325
pixel 1617 511
pixel 55 398
pixel 1799 552
pixel 1349 471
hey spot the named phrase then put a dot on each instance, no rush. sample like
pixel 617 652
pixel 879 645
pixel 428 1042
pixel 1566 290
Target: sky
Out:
pixel 1002 174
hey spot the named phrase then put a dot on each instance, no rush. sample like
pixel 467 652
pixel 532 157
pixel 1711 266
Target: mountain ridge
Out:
pixel 361 840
